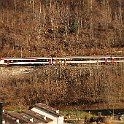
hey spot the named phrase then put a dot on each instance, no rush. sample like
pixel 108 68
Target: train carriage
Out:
pixel 74 60
pixel 25 61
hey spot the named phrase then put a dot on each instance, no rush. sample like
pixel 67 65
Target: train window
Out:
pixel 77 59
pixel 102 59
pixel 5 61
pixel 82 59
pixel 41 60
pixel 11 61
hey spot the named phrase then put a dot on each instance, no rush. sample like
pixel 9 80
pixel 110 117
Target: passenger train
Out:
pixel 58 60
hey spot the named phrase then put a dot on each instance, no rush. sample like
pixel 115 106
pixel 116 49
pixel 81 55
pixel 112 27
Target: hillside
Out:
pixel 61 27
pixel 39 28
pixel 78 86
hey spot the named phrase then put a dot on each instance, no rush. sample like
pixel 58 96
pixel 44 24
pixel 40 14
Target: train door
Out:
pixel 106 60
pixel 8 62
pixel 50 61
pixel 113 60
pixel 56 61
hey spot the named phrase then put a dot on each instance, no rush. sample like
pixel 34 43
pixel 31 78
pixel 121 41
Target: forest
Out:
pixel 61 27
pixel 45 28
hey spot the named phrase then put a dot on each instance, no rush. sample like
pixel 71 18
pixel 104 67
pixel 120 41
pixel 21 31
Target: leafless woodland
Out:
pixel 61 27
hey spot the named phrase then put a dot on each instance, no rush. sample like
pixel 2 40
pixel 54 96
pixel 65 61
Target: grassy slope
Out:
pixel 65 87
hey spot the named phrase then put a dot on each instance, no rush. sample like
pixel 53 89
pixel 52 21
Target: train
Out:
pixel 61 60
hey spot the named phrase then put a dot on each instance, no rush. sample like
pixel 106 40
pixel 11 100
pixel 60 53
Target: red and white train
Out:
pixel 59 60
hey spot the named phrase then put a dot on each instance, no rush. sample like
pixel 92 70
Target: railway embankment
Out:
pixel 77 86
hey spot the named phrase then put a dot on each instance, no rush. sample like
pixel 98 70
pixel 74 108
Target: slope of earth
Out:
pixel 85 86
pixel 61 28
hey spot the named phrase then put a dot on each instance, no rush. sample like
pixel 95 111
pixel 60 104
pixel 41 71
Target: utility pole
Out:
pixel 120 19
pixel 1 112
pixel 113 112
pixel 21 52
pixel 91 19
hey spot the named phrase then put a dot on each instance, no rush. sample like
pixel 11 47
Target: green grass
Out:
pixel 76 114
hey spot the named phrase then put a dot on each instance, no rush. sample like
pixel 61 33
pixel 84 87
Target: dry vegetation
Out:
pixel 61 86
pixel 62 28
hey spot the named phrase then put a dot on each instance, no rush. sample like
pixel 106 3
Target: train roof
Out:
pixel 61 58
pixel 28 58
pixel 35 58
pixel 18 58
pixel 94 57
pixel 64 58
